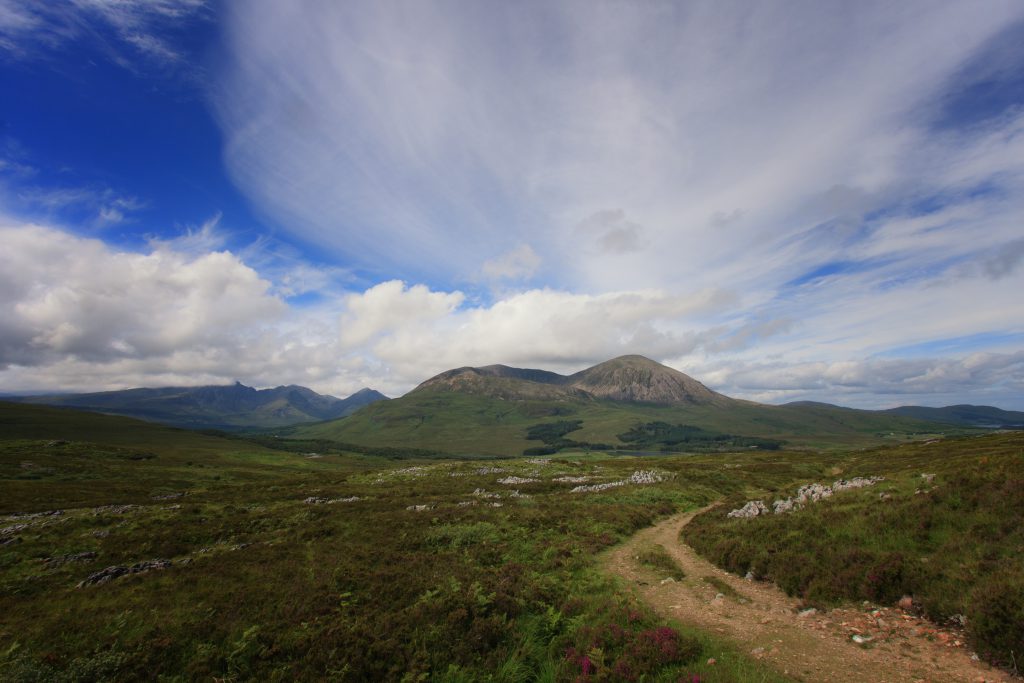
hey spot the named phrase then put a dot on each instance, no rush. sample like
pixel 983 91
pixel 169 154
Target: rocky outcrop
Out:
pixel 808 493
pixel 116 572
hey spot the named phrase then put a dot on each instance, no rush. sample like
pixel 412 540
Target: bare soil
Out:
pixel 806 646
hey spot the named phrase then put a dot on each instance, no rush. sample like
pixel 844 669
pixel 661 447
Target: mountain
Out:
pixel 632 379
pixel 967 415
pixel 501 410
pixel 639 379
pixel 226 407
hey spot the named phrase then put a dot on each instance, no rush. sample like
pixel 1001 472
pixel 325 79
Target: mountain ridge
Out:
pixel 631 378
pixel 228 406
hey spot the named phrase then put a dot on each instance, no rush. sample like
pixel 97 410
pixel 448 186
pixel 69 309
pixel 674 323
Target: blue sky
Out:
pixel 788 201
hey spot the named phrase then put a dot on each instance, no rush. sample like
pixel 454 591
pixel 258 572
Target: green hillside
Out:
pixel 460 422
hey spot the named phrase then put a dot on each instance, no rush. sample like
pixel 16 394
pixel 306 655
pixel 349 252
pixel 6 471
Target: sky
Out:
pixel 817 200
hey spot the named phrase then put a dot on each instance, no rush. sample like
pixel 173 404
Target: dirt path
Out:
pixel 809 647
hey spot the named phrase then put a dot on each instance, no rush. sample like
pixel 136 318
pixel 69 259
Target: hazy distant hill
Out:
pixel 491 410
pixel 218 407
pixel 974 416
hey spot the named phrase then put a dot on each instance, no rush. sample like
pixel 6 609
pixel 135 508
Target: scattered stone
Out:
pixel 57 442
pixel 572 480
pixel 928 478
pixel 638 477
pixel 101 533
pixel 168 496
pixel 884 496
pixel 757 652
pixel 482 493
pixel 115 509
pixel 71 557
pixel 594 488
pixel 809 612
pixel 319 500
pixel 466 503
pixel 14 529
pixel 489 470
pixel 11 540
pixel 34 515
pixel 808 493
pixel 115 572
pixel 958 620
pixel 668 580
pixel 753 508
pixel 517 480
pixel 420 508
pixel 860 640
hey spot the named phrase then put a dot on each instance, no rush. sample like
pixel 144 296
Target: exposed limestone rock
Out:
pixel 753 508
pixel 116 572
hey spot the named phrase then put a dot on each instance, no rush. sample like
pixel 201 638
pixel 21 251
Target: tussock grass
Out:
pixel 954 543
pixel 265 586
pixel 655 557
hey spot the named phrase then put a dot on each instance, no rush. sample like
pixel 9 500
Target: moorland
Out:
pixel 414 540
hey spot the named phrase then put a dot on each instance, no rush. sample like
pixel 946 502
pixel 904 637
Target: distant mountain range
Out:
pixel 228 407
pixel 628 400
pixel 492 410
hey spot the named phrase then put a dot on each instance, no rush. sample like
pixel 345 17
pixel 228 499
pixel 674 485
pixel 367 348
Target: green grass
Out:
pixel 461 423
pixel 954 544
pixel 264 586
pixel 657 558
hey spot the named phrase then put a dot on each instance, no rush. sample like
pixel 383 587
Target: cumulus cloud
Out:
pixel 67 296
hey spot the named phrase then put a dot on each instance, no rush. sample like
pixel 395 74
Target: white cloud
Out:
pixel 27 29
pixel 363 126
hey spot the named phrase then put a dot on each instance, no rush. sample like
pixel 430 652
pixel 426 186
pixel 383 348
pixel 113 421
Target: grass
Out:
pixel 460 423
pixel 657 558
pixel 953 541
pixel 265 586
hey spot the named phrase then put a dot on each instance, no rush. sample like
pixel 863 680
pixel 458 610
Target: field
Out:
pixel 240 562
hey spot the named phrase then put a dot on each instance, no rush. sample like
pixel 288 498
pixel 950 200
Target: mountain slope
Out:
pixel 220 407
pixel 639 379
pixel 489 410
pixel 967 415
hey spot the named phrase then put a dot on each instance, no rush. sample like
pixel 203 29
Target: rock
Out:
pixel 114 572
pixel 668 580
pixel 749 576
pixel 115 509
pixel 906 603
pixel 420 508
pixel 809 612
pixel 753 508
pixel 712 661
pixel 928 478
pixel 860 640
pixel 958 620
pixel 72 557
pixel 11 540
pixel 517 480
pixel 101 533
